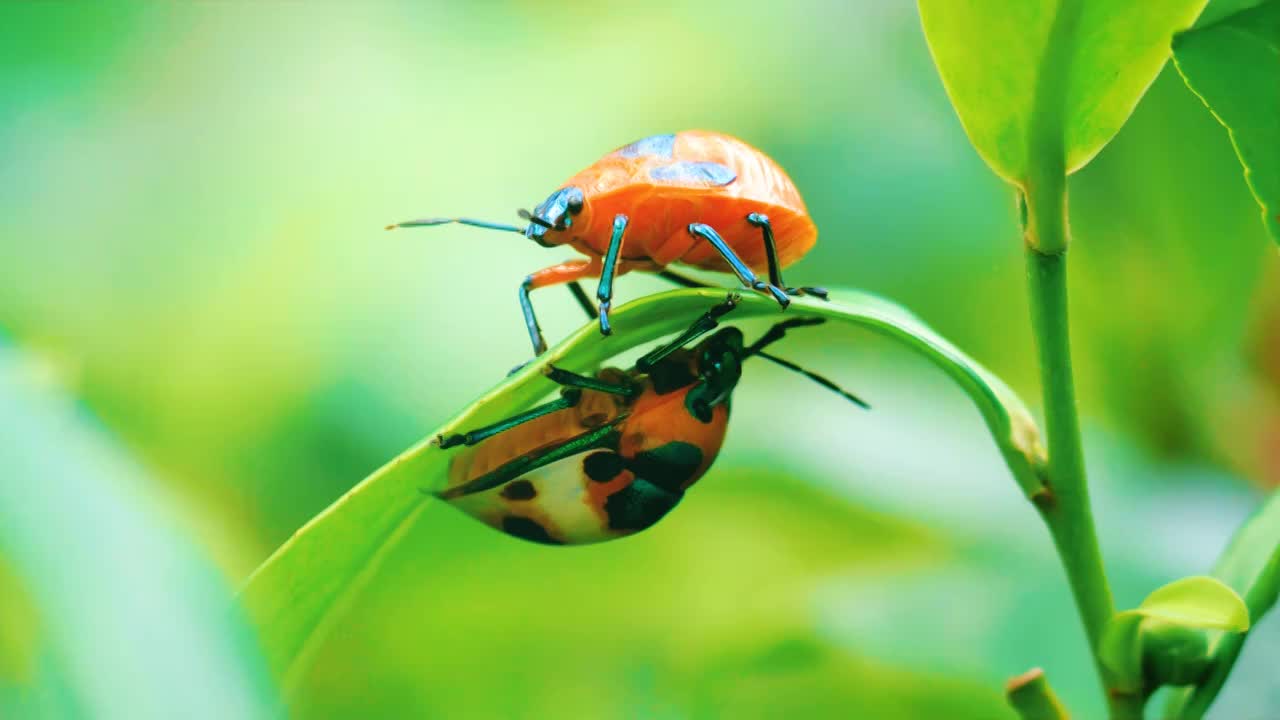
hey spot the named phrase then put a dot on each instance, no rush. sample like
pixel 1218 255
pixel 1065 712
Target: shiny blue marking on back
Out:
pixel 699 174
pixel 663 146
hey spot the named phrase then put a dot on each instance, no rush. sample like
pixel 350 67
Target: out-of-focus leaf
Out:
pixel 682 639
pixel 300 588
pixel 800 676
pixel 1233 65
pixel 1048 81
pixel 19 630
pixel 133 621
pixel 1251 565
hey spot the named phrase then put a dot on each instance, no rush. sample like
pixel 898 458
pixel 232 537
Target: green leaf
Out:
pixel 1175 654
pixel 125 616
pixel 1251 565
pixel 1233 65
pixel 1199 602
pixel 1121 650
pixel 301 588
pixel 1218 9
pixel 1042 85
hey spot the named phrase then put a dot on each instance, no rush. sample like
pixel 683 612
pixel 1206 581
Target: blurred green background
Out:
pixel 206 337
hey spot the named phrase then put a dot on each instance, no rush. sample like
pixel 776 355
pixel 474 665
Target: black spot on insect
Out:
pixel 639 505
pixel 698 174
pixel 528 529
pixel 697 406
pixel 669 466
pixel 603 466
pixel 658 145
pixel 519 490
pixel 670 376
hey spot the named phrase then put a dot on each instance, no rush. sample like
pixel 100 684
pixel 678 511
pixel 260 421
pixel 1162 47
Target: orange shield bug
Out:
pixel 699 198
pixel 616 451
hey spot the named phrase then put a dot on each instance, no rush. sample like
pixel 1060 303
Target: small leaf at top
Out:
pixel 1048 82
pixel 1233 65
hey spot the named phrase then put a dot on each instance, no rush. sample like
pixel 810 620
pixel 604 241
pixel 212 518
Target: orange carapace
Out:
pixel 697 198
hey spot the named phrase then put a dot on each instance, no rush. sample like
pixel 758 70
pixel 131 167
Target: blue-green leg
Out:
pixel 761 221
pixel 604 291
pixel 686 281
pixel 744 273
pixel 567 400
pixel 567 379
pixel 573 385
pixel 707 322
pixel 605 436
pixel 531 320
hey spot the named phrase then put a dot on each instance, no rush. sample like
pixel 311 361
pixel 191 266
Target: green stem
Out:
pixel 1032 697
pixel 1068 514
pixel 1126 707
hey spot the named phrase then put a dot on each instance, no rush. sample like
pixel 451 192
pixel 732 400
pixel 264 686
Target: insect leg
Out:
pixel 472 437
pixel 740 268
pixel 603 436
pixel 761 221
pixel 707 322
pixel 586 382
pixel 604 292
pixel 584 302
pixel 554 275
pixel 686 281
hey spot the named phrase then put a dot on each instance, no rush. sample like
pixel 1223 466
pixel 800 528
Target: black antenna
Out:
pixel 817 378
pixel 776 333
pixel 428 222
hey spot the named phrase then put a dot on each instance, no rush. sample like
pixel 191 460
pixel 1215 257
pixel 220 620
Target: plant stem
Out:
pixel 1068 515
pixel 1032 697
pixel 1127 706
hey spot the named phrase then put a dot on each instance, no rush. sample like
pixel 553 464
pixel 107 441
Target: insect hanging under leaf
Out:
pixel 617 450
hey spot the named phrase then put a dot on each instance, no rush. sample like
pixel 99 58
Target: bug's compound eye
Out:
pixel 570 202
pixel 697 402
pixel 574 200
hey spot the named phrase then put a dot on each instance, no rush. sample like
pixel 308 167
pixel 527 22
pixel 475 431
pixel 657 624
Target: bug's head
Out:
pixel 718 366
pixel 553 216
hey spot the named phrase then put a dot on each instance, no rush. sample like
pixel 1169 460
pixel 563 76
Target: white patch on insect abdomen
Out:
pixel 560 504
